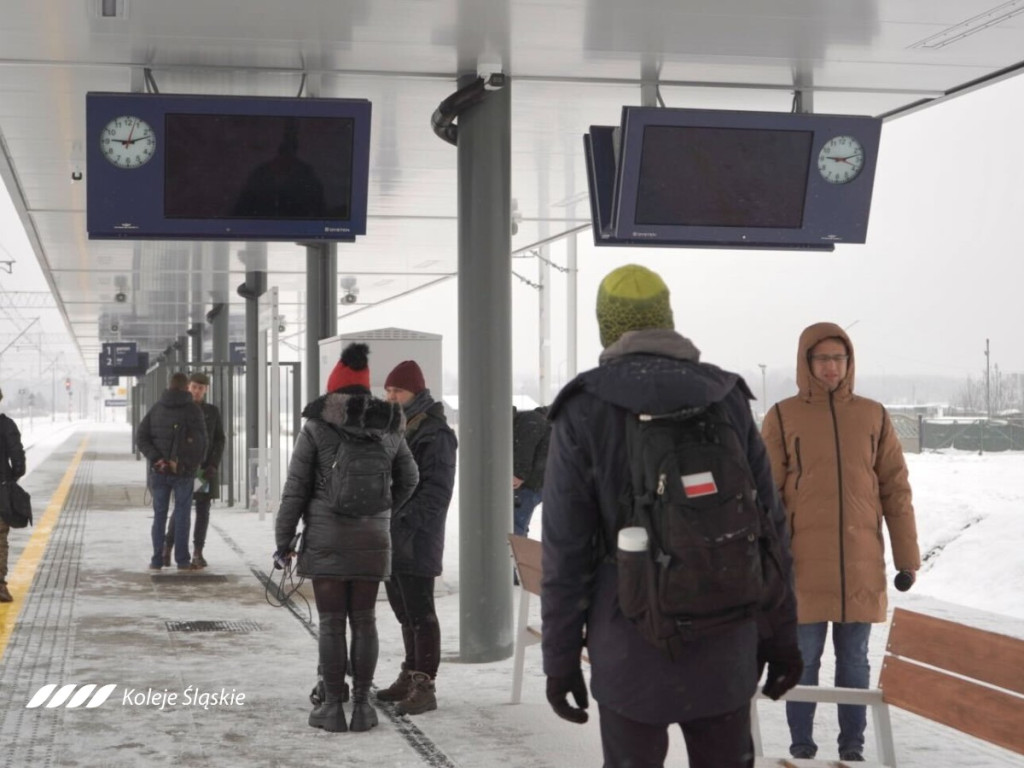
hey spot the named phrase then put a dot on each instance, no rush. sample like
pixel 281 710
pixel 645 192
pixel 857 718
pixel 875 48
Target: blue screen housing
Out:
pixel 734 179
pixel 231 168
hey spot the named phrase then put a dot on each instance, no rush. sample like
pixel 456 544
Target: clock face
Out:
pixel 128 142
pixel 840 160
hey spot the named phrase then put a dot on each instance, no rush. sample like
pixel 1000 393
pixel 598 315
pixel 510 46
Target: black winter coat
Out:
pixel 417 529
pixel 12 453
pixel 174 429
pixel 214 449
pixel 587 477
pixel 334 545
pixel 530 435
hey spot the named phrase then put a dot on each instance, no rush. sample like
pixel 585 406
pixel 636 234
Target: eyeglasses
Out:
pixel 825 359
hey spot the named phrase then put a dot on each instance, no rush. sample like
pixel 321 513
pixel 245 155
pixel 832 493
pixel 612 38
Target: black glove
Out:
pixel 904 580
pixel 785 667
pixel 558 690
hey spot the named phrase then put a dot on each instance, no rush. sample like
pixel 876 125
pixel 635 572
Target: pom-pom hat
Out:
pixel 351 370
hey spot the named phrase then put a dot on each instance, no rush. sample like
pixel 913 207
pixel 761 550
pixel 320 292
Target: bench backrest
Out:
pixel 527 555
pixel 967 678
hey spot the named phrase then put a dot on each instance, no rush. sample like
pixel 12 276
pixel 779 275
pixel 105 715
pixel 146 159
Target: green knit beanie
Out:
pixel 630 299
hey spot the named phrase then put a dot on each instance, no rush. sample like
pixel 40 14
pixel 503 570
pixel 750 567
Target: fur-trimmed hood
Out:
pixel 351 411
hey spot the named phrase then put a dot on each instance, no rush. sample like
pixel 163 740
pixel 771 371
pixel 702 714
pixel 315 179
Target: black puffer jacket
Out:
pixel 530 435
pixel 417 529
pixel 654 371
pixel 335 545
pixel 174 429
pixel 12 453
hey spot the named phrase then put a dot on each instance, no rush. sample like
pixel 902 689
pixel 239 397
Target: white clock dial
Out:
pixel 840 160
pixel 128 142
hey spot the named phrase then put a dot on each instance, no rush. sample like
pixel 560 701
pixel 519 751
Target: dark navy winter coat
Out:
pixel 653 371
pixel 530 436
pixel 417 529
pixel 344 547
pixel 12 453
pixel 174 430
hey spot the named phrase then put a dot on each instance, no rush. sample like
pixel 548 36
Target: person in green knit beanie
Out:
pixel 632 298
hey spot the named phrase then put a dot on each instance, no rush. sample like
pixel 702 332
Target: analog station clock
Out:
pixel 840 159
pixel 128 142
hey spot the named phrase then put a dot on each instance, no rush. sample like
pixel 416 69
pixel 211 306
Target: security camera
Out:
pixel 349 298
pixel 115 327
pixel 120 297
pixel 281 326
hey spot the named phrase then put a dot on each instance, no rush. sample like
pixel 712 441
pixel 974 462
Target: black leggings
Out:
pixel 345 597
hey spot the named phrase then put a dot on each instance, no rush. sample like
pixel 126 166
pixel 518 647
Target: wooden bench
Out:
pixel 526 557
pixel 966 678
pixel 526 554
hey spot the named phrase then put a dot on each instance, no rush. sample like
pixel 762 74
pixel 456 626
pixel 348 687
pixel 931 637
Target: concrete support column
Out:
pixel 485 378
pixel 321 308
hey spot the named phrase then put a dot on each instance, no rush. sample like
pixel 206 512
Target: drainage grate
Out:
pixel 213 626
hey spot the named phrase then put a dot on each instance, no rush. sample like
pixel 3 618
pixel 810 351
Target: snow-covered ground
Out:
pixel 970 516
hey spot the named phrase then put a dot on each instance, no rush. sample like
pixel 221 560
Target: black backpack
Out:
pixel 358 482
pixel 711 559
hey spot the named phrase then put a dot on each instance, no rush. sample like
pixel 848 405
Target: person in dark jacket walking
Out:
pixel 530 434
pixel 172 436
pixel 417 539
pixel 646 367
pixel 347 555
pixel 198 384
pixel 12 468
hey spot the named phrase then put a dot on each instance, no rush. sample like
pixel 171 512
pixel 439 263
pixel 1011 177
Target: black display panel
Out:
pixel 722 177
pixel 304 167
pixel 713 178
pixel 234 168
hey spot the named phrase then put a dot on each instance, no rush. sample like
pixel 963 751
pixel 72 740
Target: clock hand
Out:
pixel 842 159
pixel 130 134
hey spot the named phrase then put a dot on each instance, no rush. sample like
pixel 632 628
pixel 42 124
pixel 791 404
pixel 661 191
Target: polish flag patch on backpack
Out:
pixel 699 484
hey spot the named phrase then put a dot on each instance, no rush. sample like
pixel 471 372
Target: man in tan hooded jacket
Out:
pixel 839 468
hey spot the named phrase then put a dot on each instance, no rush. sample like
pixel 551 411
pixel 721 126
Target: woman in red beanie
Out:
pixel 346 549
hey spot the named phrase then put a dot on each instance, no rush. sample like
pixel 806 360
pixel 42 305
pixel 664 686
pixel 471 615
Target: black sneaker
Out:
pixel 803 753
pixel 851 757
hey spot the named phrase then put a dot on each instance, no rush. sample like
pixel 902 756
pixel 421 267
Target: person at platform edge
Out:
pixel 172 436
pixel 198 384
pixel 646 367
pixel 346 553
pixel 417 539
pixel 12 468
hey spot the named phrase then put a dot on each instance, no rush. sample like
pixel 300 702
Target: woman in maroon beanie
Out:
pixel 417 539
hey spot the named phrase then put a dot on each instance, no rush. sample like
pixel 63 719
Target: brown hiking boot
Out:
pixel 421 696
pixel 5 594
pixel 198 561
pixel 399 689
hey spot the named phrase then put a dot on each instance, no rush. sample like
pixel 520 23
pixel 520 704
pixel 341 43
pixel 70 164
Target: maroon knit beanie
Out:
pixel 351 370
pixel 408 376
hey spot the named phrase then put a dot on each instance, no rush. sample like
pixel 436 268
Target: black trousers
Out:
pixel 722 741
pixel 412 600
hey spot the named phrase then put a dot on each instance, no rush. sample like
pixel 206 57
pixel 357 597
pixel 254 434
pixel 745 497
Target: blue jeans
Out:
pixel 852 671
pixel 526 500
pixel 161 486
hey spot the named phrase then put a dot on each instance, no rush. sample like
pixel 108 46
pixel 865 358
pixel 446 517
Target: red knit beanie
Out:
pixel 351 370
pixel 408 376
